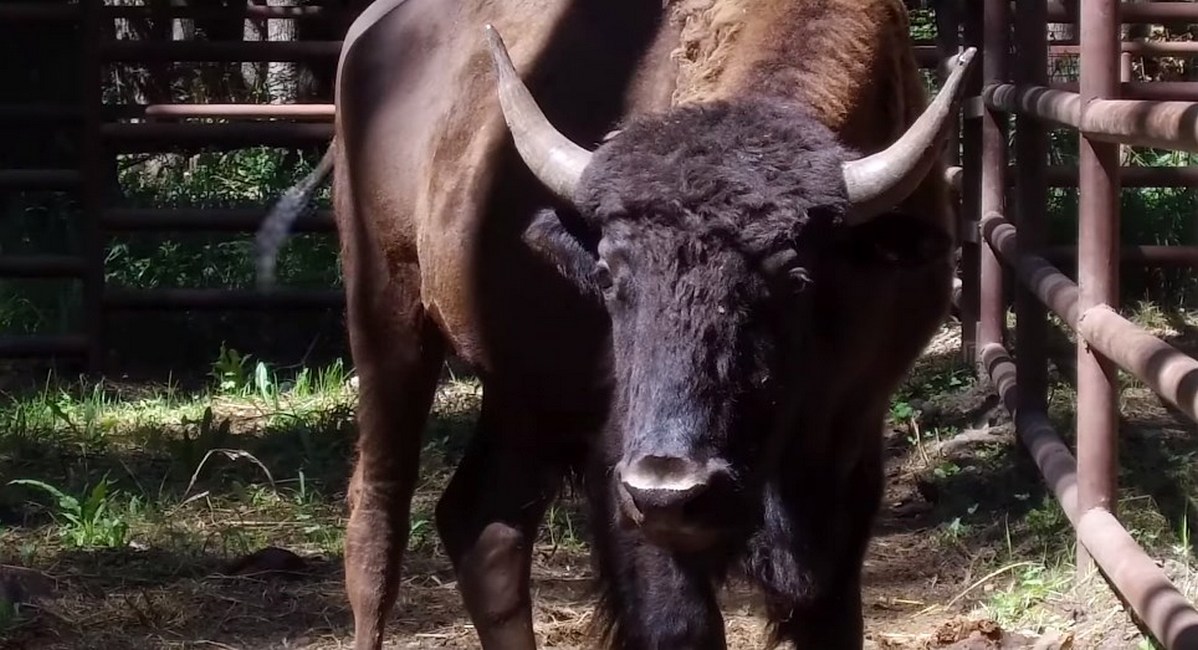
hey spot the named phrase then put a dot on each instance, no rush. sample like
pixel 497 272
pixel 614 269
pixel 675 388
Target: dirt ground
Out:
pixel 924 588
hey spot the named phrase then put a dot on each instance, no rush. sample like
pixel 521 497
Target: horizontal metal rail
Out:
pixel 1155 90
pixel 1167 125
pixel 1156 600
pixel 1187 176
pixel 206 219
pixel 1056 463
pixel 229 111
pixel 64 11
pixel 156 136
pixel 1180 256
pixel 1057 106
pixel 26 11
pixel 1169 372
pixel 31 346
pixel 40 112
pixel 1052 287
pixel 219 51
pixel 221 299
pixel 1143 123
pixel 1140 48
pixel 41 266
pixel 1166 612
pixel 1060 11
pixel 39 179
pixel 234 11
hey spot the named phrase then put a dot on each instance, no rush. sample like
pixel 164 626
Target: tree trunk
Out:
pixel 282 78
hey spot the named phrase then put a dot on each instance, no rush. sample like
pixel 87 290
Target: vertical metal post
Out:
pixel 995 45
pixel 1097 267
pixel 1031 156
pixel 92 171
pixel 971 242
pixel 948 43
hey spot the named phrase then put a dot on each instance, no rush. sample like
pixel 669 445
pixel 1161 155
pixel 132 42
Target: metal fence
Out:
pixel 1105 107
pixel 1005 208
pixel 109 129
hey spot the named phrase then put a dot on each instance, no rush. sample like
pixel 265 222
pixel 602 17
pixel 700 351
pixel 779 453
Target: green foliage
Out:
pixel 91 521
pixel 253 177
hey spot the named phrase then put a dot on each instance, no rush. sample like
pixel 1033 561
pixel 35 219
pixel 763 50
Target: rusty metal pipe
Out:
pixel 1141 48
pixel 292 111
pixel 1052 287
pixel 1155 599
pixel 1146 12
pixel 1051 455
pixel 33 346
pixel 1098 269
pixel 207 220
pixel 234 11
pixel 1157 256
pixel 94 171
pixel 39 179
pixel 219 51
pixel 1031 155
pixel 154 136
pixel 1142 123
pixel 1137 122
pixel 995 43
pixel 1057 106
pixel 1154 90
pixel 1066 176
pixel 1169 372
pixel 1169 616
pixel 971 250
pixel 42 266
pixel 222 299
pixel 28 11
pixel 40 112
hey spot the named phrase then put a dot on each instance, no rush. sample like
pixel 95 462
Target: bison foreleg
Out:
pixel 488 520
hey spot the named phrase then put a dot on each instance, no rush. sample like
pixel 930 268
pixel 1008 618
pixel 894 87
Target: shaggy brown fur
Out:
pixel 834 56
pixel 448 242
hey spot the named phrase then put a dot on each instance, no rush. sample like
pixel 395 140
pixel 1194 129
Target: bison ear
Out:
pixel 898 239
pixel 573 254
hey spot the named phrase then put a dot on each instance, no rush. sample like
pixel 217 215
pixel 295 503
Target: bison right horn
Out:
pixel 880 181
pixel 553 158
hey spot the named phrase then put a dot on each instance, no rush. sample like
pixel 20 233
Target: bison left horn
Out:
pixel 551 156
pixel 880 181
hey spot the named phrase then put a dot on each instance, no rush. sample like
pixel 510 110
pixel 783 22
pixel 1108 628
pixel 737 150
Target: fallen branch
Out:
pixel 970 437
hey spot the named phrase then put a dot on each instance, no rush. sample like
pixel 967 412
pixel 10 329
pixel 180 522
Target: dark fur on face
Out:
pixel 703 232
pixel 752 173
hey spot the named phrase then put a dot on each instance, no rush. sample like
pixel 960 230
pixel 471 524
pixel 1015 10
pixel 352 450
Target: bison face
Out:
pixel 708 234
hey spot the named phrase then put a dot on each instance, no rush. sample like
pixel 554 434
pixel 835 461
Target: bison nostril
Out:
pixel 664 482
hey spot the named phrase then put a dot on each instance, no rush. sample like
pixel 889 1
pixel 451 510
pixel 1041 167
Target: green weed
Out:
pixel 90 521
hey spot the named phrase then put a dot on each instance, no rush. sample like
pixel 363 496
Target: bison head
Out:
pixel 703 231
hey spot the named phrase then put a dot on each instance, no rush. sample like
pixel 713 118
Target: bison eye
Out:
pixel 602 276
pixel 799 279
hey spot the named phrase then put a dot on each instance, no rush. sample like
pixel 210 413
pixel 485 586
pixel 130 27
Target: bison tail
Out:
pixel 274 229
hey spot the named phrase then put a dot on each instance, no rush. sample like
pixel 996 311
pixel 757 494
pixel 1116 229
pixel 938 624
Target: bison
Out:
pixel 690 249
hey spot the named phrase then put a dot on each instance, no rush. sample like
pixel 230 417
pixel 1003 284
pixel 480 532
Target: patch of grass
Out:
pixel 92 519
pixel 1030 596
pixel 146 493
